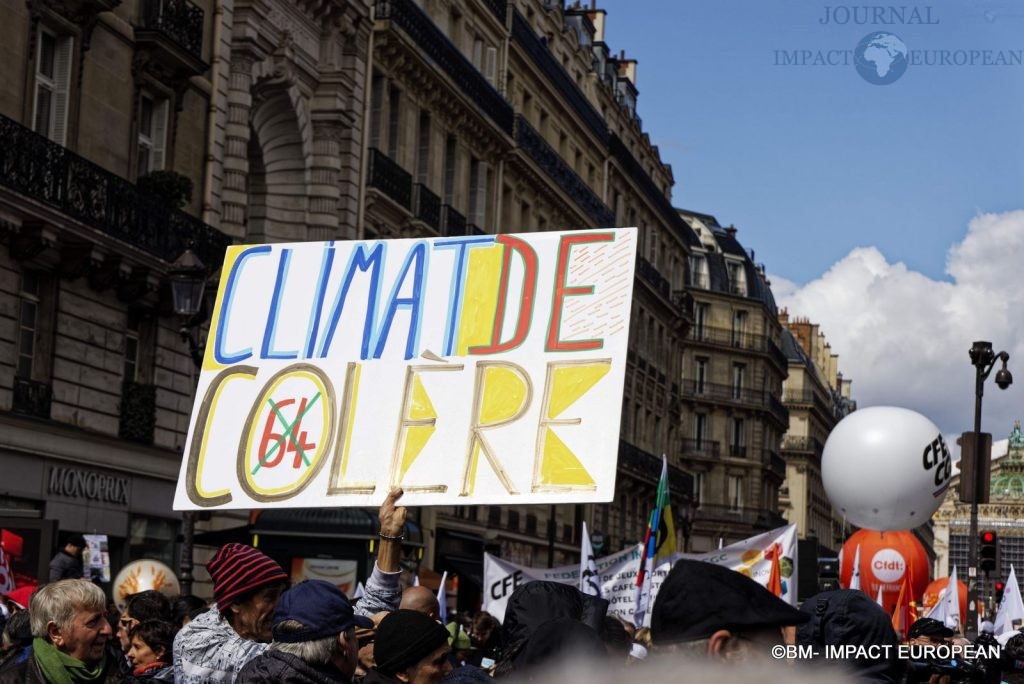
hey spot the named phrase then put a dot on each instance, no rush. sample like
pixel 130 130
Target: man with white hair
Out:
pixel 70 634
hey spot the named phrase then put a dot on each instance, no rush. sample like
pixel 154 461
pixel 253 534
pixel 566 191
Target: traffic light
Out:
pixel 988 551
pixel 998 591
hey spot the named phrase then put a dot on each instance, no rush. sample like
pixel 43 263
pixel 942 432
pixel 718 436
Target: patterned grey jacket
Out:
pixel 208 651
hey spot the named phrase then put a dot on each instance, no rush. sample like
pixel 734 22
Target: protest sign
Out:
pixel 469 369
pixel 96 557
pixel 617 572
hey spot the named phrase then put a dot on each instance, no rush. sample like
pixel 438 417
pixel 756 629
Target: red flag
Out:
pixel 901 617
pixel 775 576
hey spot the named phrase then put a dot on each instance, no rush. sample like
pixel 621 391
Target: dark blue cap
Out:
pixel 320 607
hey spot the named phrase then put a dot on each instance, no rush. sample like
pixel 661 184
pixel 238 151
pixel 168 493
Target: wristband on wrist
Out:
pixel 389 537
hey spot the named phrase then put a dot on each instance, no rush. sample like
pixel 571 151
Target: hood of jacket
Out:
pixel 208 649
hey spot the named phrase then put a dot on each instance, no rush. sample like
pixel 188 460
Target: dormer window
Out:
pixel 737 278
pixel 699 272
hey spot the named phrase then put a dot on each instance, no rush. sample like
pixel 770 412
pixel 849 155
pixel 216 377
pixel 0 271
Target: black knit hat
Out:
pixel 404 638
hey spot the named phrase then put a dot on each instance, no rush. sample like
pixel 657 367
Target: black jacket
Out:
pixel 275 667
pixel 374 677
pixel 65 566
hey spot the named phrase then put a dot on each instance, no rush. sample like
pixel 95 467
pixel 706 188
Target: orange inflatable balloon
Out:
pixel 932 591
pixel 885 557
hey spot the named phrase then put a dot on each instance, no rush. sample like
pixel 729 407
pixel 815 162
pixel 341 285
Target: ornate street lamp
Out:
pixel 188 284
pixel 983 359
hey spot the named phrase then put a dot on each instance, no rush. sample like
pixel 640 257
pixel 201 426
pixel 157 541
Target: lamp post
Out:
pixel 983 358
pixel 188 282
pixel 687 514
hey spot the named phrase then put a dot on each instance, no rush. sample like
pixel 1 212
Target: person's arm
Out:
pixel 382 590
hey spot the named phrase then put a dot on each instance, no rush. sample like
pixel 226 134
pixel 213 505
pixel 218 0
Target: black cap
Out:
pixel 929 627
pixel 76 540
pixel 320 607
pixel 698 598
pixel 404 638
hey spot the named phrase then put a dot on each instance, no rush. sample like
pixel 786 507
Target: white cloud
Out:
pixel 903 337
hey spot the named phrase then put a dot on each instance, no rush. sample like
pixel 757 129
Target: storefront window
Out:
pixel 153 538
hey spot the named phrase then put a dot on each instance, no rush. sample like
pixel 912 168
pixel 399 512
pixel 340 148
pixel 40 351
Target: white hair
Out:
pixel 58 603
pixel 317 652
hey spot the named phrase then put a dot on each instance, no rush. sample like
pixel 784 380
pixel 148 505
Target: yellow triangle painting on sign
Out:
pixel 559 465
pixel 417 435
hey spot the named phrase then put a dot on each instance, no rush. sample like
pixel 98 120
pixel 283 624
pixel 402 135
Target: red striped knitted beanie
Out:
pixel 237 569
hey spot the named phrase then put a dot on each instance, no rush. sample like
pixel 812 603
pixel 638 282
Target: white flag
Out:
pixel 878 599
pixel 855 577
pixel 947 609
pixel 416 580
pixel 442 598
pixel 360 590
pixel 6 575
pixel 1010 615
pixel 590 581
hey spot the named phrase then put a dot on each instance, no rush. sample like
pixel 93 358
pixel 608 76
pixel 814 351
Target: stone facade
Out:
pixel 817 397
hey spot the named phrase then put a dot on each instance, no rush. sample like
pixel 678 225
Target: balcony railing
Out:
pixel 39 168
pixel 426 206
pixel 138 412
pixel 179 20
pixel 727 393
pixel 759 518
pixel 646 270
pixel 537 50
pixel 435 44
pixel 738 450
pixel 810 445
pixel 775 354
pixel 548 159
pixel 387 176
pixel 776 464
pixel 700 448
pixel 683 301
pixel 646 466
pixel 808 398
pixel 452 222
pixel 778 411
pixel 32 397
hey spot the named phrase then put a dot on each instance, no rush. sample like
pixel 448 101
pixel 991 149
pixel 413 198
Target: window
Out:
pixel 699 272
pixel 376 110
pixel 394 120
pixel 531 524
pixel 737 278
pixel 739 370
pixel 423 148
pixel 701 375
pixel 53 70
pixel 739 328
pixel 738 438
pixel 513 521
pixel 700 316
pixel 478 174
pixel 450 162
pixel 478 54
pixel 494 516
pixel 29 328
pixel 152 134
pixel 525 217
pixel 567 529
pixel 735 492
pixel 698 487
pixel 131 349
pixel 700 429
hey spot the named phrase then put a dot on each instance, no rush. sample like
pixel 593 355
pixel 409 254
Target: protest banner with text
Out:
pixel 467 370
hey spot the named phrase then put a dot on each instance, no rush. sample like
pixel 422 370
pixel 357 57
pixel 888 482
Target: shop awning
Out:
pixel 327 523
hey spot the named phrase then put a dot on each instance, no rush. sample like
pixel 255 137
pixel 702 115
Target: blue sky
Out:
pixel 810 162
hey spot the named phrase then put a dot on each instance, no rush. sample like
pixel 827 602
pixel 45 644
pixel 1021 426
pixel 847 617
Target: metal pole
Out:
pixel 972 542
pixel 188 527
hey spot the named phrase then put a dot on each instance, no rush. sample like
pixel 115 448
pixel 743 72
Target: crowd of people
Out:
pixel 260 630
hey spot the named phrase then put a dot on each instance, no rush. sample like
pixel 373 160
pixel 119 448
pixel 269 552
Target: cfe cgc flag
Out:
pixel 468 369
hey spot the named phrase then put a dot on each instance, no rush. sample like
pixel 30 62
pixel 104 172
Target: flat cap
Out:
pixel 929 627
pixel 698 598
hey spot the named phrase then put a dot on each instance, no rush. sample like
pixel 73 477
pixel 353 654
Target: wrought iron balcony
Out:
pixel 32 397
pixel 387 176
pixel 646 466
pixel 684 304
pixel 415 23
pixel 776 464
pixel 694 389
pixel 537 50
pixel 738 450
pixel 452 222
pixel 778 411
pixel 179 20
pixel 34 166
pixel 426 206
pixel 700 448
pixel 499 8
pixel 548 159
pixel 138 412
pixel 726 337
pixel 759 518
pixel 775 354
pixel 808 398
pixel 647 271
pixel 801 443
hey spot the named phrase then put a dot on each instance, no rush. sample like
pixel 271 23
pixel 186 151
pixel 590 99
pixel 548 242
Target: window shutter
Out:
pixel 62 79
pixel 491 65
pixel 157 156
